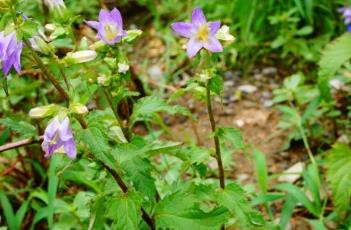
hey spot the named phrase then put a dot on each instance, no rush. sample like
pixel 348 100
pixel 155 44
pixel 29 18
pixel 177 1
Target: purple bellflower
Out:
pixel 58 134
pixel 109 27
pixel 10 52
pixel 201 34
pixel 346 14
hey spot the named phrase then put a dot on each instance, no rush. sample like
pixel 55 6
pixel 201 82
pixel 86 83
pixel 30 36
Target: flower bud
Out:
pixel 223 34
pixel 97 45
pixel 81 56
pixel 43 111
pixel 57 8
pixel 102 80
pixel 40 45
pixel 132 35
pixel 78 108
pixel 123 67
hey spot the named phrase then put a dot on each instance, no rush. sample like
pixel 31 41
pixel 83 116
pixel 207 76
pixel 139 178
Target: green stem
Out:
pixel 113 108
pixel 215 137
pixel 306 144
pixel 62 71
pixel 47 73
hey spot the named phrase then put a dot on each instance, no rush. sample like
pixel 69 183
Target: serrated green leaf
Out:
pixel 234 199
pixel 139 171
pixel 233 136
pixel 179 212
pixel 334 55
pixel 22 127
pixel 338 164
pixel 126 210
pixel 147 106
pixel 216 84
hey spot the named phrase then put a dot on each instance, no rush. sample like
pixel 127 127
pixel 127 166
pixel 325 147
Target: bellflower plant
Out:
pixel 346 14
pixel 58 134
pixel 10 52
pixel 201 34
pixel 109 27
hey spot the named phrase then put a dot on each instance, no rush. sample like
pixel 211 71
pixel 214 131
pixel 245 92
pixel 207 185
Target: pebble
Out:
pixel 270 71
pixel 229 84
pixel 239 123
pixel 267 103
pixel 248 88
pixel 155 72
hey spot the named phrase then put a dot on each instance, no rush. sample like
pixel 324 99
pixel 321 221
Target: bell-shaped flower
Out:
pixel 109 27
pixel 201 34
pixel 57 137
pixel 10 52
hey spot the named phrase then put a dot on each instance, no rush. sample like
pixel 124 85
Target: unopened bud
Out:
pixel 102 80
pixel 132 35
pixel 78 108
pixel 223 34
pixel 123 67
pixel 81 56
pixel 40 45
pixel 43 111
pixel 57 7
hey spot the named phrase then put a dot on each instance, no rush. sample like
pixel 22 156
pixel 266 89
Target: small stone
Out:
pixel 267 103
pixel 228 84
pixel 248 88
pixel 266 94
pixel 292 174
pixel 270 71
pixel 242 177
pixel 228 74
pixel 239 123
pixel 258 76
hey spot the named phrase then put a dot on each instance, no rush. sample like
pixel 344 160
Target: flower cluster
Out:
pixel 10 52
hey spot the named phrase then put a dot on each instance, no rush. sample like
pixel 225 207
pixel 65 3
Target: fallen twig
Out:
pixel 20 143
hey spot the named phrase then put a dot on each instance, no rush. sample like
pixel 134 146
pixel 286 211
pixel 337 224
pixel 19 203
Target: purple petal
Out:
pixel 6 66
pixel 93 24
pixel 116 16
pixel 70 149
pixel 104 16
pixel 214 27
pixel 185 29
pixel 198 17
pixel 17 61
pixel 51 129
pixel 213 45
pixel 193 47
pixel 50 148
pixel 65 131
pixel 342 9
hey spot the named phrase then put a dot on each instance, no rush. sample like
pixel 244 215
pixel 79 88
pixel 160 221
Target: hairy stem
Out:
pixel 215 137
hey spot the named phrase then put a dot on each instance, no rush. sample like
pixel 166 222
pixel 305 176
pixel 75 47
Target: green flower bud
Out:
pixel 43 111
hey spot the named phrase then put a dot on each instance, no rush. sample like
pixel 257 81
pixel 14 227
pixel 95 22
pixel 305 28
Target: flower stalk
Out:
pixel 215 137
